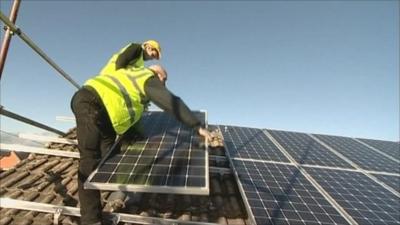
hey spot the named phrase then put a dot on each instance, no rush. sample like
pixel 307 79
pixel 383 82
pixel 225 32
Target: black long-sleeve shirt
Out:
pixel 157 92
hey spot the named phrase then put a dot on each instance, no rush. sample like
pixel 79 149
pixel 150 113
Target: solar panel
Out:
pixel 389 147
pixel 364 199
pixel 171 158
pixel 280 194
pixel 244 142
pixel 305 150
pixel 360 154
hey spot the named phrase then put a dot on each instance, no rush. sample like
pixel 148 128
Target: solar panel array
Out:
pixel 300 178
pixel 171 158
pixel 284 177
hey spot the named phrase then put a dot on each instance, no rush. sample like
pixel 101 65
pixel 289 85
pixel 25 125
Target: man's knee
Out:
pixel 87 166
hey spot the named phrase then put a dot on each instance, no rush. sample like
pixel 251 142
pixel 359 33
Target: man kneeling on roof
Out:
pixel 111 103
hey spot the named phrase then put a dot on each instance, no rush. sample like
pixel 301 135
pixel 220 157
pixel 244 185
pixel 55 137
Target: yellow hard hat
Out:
pixel 154 44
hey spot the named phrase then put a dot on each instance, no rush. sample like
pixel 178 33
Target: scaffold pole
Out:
pixel 8 35
pixel 28 41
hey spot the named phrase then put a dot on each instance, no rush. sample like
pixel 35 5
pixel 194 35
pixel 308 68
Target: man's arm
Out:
pixel 128 54
pixel 172 104
pixel 122 58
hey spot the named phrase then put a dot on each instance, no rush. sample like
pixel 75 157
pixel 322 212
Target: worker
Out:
pixel 110 103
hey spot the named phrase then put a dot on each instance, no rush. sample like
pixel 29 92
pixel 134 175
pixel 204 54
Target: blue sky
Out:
pixel 329 67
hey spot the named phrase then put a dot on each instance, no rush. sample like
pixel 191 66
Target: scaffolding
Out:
pixel 12 29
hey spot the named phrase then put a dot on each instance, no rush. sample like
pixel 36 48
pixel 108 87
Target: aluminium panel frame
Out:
pixel 240 186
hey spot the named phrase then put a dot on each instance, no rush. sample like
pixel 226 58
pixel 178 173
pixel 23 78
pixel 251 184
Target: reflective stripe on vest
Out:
pixel 135 83
pixel 121 93
pixel 125 94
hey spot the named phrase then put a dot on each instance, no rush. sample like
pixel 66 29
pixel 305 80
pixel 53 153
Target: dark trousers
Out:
pixel 95 137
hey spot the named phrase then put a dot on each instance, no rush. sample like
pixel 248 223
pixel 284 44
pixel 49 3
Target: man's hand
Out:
pixel 205 133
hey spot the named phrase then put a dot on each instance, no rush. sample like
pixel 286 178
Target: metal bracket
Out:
pixel 45 151
pixel 12 32
pixel 57 215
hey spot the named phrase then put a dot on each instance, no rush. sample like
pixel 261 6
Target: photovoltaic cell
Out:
pixel 360 154
pixel 171 158
pixel 389 147
pixel 365 200
pixel 252 143
pixel 280 194
pixel 306 150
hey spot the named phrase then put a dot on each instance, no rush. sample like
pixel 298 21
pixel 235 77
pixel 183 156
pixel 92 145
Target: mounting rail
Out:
pixel 74 211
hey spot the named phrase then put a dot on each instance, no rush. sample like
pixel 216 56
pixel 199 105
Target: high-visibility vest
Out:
pixel 122 92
